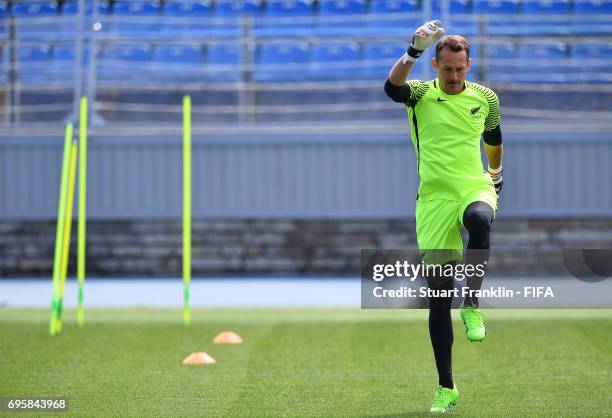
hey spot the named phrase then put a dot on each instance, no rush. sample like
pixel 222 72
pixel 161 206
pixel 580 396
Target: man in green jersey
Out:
pixel 448 116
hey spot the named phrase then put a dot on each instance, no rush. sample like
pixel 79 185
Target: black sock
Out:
pixel 441 327
pixel 441 334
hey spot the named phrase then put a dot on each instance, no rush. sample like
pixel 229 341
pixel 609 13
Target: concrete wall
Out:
pixel 295 176
pixel 154 248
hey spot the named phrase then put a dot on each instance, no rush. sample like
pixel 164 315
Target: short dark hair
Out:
pixel 455 43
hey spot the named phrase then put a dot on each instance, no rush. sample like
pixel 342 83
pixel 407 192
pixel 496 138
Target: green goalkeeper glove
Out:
pixel 427 34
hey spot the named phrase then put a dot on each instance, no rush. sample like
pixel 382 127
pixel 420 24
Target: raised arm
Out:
pixel 426 35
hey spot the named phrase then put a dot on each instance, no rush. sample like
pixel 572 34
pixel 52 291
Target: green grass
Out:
pixel 307 362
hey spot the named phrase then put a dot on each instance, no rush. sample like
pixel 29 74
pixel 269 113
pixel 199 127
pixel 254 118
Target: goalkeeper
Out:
pixel 448 116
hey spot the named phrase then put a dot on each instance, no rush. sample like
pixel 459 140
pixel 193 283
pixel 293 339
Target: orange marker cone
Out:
pixel 228 337
pixel 199 358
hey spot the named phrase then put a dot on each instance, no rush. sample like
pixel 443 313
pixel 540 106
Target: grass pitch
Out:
pixel 307 362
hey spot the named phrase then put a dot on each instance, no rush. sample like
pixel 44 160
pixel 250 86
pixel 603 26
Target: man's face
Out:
pixel 452 69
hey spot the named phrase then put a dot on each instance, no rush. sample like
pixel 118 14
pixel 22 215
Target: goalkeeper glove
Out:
pixel 429 33
pixel 497 178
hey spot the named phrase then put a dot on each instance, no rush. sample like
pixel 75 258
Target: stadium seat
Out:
pixel 178 63
pixel 546 7
pixel 557 18
pixel 592 62
pixel 594 7
pixel 235 8
pixel 124 62
pixel 286 18
pixel 378 58
pixel 394 6
pixel 463 25
pixel 341 17
pixel 590 19
pixel 499 61
pixel 504 7
pixel 2 19
pixel 281 62
pixel 335 61
pixel 192 19
pixel 393 17
pixel 33 64
pixel 63 59
pixel 500 15
pixel 223 62
pixel 4 65
pixel 542 62
pixel 34 20
pixel 450 7
pixel 135 19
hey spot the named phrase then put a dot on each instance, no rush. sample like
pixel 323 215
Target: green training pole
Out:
pixel 186 208
pixel 82 209
pixel 66 239
pixel 59 233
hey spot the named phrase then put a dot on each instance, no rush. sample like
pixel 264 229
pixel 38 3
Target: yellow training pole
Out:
pixel 186 208
pixel 82 209
pixel 67 228
pixel 60 229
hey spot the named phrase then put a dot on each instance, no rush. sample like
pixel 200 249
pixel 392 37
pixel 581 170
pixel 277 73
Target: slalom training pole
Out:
pixel 186 208
pixel 82 209
pixel 67 228
pixel 59 233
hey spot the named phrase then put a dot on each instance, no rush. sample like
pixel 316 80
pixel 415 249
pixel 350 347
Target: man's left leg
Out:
pixel 477 218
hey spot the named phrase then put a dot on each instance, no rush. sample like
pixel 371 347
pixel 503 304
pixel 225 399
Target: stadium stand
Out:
pixel 204 44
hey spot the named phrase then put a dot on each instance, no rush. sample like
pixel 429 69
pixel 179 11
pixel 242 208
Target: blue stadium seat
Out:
pixel 135 19
pixel 463 25
pixel 223 62
pixel 557 18
pixel 33 64
pixel 178 63
pixel 505 7
pixel 4 65
pixel 124 62
pixel 63 53
pixel 546 7
pixel 542 62
pixel 335 61
pixel 388 17
pixel 592 6
pixel 378 58
pixel 188 20
pixel 335 17
pixel 176 54
pixel 394 6
pixel 592 62
pixel 2 18
pixel 63 60
pixel 281 62
pixel 34 20
pixel 500 61
pixel 235 8
pixel 286 18
pixel 453 7
pixel 590 19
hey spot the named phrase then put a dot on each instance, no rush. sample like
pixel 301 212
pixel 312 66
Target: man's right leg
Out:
pixel 441 328
pixel 439 239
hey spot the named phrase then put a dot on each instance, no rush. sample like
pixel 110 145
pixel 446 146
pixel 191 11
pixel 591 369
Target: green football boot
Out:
pixel 444 399
pixel 474 324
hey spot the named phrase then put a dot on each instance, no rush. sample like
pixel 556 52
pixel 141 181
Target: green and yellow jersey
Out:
pixel 446 131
